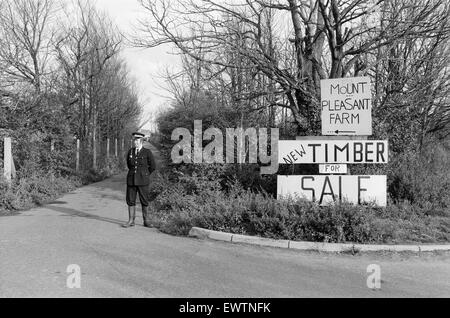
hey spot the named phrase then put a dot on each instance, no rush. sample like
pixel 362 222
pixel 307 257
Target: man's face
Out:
pixel 137 142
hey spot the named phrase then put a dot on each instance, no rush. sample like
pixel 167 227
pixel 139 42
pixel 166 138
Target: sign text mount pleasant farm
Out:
pixel 346 106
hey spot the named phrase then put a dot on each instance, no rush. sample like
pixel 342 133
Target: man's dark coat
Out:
pixel 140 166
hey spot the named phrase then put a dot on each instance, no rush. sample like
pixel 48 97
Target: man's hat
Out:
pixel 137 135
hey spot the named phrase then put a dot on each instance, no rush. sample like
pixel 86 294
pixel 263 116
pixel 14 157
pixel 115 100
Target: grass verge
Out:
pixel 37 188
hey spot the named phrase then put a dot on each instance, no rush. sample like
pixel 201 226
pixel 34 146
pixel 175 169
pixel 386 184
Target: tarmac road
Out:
pixel 83 228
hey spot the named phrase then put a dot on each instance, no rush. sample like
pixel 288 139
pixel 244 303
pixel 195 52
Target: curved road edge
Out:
pixel 313 246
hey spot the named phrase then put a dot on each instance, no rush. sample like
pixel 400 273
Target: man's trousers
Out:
pixel 143 194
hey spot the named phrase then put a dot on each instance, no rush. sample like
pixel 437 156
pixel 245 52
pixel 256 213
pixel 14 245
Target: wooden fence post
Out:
pixel 77 165
pixel 122 150
pixel 94 151
pixel 107 147
pixel 9 170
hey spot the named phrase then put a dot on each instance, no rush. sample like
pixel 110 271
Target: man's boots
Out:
pixel 145 216
pixel 131 216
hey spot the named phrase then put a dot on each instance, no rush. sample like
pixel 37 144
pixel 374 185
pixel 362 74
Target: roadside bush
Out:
pixel 422 179
pixel 419 178
pixel 194 200
pixel 297 219
pixel 108 168
pixel 34 187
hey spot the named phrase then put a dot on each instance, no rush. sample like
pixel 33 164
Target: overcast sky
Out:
pixel 145 65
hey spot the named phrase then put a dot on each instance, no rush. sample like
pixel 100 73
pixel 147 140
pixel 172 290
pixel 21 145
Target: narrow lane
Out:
pixel 83 228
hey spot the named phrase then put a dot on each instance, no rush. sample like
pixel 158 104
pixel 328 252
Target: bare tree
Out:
pixel 25 40
pixel 308 41
pixel 85 45
pixel 412 80
pixel 60 78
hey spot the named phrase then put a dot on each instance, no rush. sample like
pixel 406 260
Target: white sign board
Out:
pixel 333 168
pixel 346 106
pixel 328 189
pixel 332 151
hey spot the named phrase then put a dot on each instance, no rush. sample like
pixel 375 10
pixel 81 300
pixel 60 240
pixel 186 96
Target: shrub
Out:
pixel 107 168
pixel 33 187
pixel 34 190
pixel 419 178
pixel 195 200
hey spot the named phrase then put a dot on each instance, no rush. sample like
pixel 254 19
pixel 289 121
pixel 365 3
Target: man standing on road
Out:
pixel 141 164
